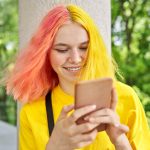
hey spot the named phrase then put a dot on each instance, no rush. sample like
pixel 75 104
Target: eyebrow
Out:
pixel 64 44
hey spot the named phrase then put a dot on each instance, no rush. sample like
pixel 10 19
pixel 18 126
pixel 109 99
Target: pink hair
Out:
pixel 33 75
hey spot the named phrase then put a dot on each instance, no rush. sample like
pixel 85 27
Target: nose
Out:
pixel 75 56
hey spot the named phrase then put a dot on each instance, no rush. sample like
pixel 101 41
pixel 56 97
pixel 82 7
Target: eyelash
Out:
pixel 64 51
pixel 83 48
pixel 61 51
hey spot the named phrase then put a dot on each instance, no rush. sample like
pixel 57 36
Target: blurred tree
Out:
pixel 8 47
pixel 131 45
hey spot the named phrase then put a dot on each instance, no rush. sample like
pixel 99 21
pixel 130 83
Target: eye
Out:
pixel 61 50
pixel 83 48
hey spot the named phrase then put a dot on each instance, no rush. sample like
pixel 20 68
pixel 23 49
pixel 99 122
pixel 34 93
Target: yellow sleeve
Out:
pixel 26 138
pixel 139 134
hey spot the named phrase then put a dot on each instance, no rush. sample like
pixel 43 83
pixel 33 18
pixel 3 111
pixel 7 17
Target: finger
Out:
pixel 104 120
pixel 65 110
pixel 99 113
pixel 114 99
pixel 124 128
pixel 81 112
pixel 85 127
pixel 83 144
pixel 89 137
pixel 111 121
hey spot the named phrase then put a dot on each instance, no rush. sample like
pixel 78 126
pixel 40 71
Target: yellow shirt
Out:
pixel 34 135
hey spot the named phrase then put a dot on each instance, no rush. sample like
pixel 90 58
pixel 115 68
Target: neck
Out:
pixel 67 87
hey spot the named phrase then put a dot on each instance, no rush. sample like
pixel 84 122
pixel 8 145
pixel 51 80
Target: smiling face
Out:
pixel 69 52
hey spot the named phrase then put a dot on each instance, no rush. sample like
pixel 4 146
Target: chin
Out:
pixel 71 79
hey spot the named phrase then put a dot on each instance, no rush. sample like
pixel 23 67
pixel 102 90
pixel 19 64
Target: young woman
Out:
pixel 66 48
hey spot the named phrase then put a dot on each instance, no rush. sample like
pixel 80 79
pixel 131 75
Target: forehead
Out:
pixel 71 33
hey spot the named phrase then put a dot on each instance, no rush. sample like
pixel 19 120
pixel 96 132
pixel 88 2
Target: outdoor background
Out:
pixel 130 48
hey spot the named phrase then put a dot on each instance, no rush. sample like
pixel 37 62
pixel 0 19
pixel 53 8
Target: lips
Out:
pixel 73 69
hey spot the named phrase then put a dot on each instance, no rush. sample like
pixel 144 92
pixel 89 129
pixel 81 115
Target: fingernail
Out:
pixel 116 124
pixel 91 119
pixel 127 128
pixel 93 106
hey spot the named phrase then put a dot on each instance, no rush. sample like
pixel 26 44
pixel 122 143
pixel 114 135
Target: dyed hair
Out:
pixel 33 75
pixel 98 63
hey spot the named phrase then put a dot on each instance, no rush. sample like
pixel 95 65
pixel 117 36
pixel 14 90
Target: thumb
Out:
pixel 124 128
pixel 65 110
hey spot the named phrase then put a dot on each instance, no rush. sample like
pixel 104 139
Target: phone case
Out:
pixel 91 92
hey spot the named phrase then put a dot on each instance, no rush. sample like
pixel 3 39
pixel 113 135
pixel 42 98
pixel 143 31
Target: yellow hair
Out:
pixel 98 63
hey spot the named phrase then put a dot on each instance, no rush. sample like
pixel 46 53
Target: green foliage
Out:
pixel 8 48
pixel 131 45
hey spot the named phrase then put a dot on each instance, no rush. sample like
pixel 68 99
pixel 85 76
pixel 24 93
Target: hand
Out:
pixel 67 135
pixel 115 130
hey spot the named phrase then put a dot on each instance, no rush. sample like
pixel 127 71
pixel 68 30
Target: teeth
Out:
pixel 74 69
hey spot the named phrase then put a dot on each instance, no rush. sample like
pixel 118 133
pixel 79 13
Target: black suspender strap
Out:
pixel 49 111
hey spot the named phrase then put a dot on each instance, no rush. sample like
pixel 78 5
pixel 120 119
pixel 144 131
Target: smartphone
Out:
pixel 93 92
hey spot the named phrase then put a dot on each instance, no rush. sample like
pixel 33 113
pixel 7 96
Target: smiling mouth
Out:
pixel 73 69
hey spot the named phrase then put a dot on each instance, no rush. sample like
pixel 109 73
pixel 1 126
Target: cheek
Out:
pixel 56 60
